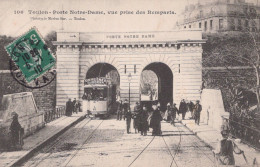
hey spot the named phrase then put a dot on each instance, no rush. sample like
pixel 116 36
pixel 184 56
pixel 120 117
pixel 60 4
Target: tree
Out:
pixel 51 36
pixel 149 82
pixel 236 49
pixel 4 58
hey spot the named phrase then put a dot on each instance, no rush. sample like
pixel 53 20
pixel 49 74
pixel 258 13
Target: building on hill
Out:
pixel 221 16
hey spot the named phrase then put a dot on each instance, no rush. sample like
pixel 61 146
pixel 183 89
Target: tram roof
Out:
pixel 96 86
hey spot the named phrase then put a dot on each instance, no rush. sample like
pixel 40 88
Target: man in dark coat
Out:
pixel 125 108
pixel 183 108
pixel 225 148
pixel 156 119
pixel 74 105
pixel 197 110
pixel 16 132
pixel 143 126
pixel 173 113
pixel 119 110
pixel 128 117
pixel 69 108
pixel 191 109
pixel 136 116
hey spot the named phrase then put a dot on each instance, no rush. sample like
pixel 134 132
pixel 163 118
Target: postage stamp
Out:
pixel 31 55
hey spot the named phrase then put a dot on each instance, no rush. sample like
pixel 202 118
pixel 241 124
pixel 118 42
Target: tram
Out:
pixel 98 97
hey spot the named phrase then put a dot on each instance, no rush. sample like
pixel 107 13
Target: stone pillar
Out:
pixel 190 71
pixel 134 88
pixel 67 73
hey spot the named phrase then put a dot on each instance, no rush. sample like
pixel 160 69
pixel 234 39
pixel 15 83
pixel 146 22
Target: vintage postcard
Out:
pixel 129 83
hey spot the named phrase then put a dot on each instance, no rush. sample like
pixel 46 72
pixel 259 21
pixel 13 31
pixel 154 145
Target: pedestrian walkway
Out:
pixel 34 142
pixel 211 137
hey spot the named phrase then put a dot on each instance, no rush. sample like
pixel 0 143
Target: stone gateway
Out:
pixel 175 56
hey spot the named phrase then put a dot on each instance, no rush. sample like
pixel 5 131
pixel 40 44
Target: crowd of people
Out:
pixel 72 107
pixel 142 118
pixel 185 107
pixel 145 117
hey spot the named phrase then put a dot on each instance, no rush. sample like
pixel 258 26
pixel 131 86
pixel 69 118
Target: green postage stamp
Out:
pixel 31 55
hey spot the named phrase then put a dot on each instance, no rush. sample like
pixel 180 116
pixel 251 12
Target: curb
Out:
pixel 195 133
pixel 31 152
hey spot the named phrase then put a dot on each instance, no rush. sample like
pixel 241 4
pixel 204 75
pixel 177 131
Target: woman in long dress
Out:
pixel 143 126
pixel 156 119
pixel 136 117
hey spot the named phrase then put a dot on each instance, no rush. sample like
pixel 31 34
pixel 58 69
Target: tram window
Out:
pixel 95 94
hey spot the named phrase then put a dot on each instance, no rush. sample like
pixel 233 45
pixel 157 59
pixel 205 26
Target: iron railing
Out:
pixel 54 114
pixel 245 129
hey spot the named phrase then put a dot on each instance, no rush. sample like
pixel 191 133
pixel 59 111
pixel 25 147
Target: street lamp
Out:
pixel 129 77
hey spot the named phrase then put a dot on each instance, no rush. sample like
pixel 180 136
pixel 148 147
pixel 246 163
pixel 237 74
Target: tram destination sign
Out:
pixel 99 80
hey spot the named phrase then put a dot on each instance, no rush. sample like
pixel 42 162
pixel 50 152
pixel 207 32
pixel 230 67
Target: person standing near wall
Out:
pixel 197 110
pixel 125 108
pixel 69 107
pixel 16 133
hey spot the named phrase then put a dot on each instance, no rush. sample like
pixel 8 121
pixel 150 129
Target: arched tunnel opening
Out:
pixel 108 71
pixel 164 82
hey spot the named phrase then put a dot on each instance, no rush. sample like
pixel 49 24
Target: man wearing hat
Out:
pixel 197 110
pixel 128 117
pixel 143 125
pixel 174 112
pixel 119 110
pixel 225 148
pixel 136 117
pixel 183 108
pixel 16 132
pixel 125 108
pixel 69 107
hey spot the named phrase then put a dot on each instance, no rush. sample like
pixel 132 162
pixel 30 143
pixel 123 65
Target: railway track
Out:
pixel 178 148
pixel 158 147
pixel 198 146
pixel 168 148
pixel 85 142
pixel 50 149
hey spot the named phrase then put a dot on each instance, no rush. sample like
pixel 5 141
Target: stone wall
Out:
pixel 45 97
pixel 212 108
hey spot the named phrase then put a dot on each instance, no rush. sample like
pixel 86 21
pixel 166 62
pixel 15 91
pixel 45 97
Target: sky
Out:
pixel 12 24
pixel 17 24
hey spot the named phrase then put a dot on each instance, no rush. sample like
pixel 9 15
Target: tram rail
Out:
pixel 85 142
pixel 169 150
pixel 178 148
pixel 196 144
pixel 47 152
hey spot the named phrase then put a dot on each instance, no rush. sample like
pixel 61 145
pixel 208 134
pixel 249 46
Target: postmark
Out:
pixel 31 61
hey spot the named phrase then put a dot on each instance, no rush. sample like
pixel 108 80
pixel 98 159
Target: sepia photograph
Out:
pixel 129 83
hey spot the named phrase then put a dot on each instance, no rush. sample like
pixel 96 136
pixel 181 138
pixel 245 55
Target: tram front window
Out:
pixel 95 94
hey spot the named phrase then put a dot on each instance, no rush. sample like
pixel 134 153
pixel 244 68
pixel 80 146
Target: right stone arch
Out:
pixel 165 82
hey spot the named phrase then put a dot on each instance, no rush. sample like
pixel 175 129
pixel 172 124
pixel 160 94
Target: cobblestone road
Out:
pixel 106 143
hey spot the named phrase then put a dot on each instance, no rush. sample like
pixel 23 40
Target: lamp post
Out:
pixel 129 77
